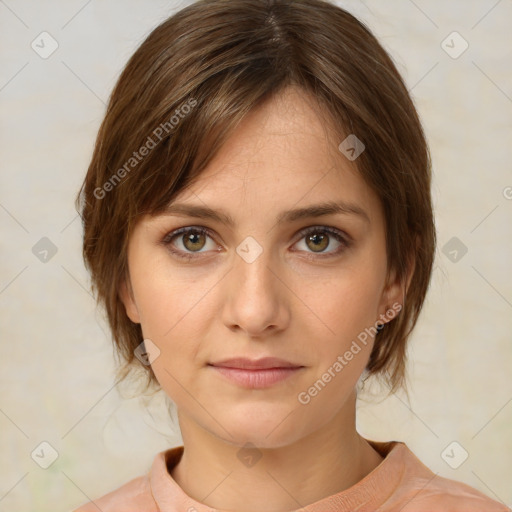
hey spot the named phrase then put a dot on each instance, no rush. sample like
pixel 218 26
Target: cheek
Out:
pixel 173 308
pixel 348 308
pixel 168 300
pixel 348 313
pixel 345 304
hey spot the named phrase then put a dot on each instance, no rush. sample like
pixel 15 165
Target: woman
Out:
pixel 258 225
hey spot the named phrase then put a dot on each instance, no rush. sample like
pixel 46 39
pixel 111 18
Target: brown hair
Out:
pixel 194 79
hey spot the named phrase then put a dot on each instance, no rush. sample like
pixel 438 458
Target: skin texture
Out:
pixel 282 304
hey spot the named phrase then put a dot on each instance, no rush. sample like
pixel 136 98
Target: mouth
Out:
pixel 244 363
pixel 256 374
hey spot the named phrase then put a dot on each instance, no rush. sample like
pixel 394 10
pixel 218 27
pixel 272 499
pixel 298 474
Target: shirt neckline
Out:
pixel 367 494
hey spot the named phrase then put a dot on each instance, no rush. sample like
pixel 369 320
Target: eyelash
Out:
pixel 337 234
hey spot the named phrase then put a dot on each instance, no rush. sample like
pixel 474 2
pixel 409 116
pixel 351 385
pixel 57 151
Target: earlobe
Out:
pixel 126 296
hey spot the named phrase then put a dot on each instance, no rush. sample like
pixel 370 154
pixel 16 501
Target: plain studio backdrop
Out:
pixel 58 403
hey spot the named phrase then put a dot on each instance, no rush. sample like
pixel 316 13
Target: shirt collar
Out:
pixel 370 492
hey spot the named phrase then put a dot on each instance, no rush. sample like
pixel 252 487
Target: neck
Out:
pixel 289 477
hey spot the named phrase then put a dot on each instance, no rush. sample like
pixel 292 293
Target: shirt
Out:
pixel 400 483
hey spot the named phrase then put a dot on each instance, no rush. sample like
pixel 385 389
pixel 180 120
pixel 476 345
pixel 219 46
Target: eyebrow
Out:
pixel 316 210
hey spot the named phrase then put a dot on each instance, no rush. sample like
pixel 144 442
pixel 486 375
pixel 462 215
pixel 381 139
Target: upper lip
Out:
pixel 255 364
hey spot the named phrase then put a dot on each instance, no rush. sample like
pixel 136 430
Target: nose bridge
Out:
pixel 252 266
pixel 254 298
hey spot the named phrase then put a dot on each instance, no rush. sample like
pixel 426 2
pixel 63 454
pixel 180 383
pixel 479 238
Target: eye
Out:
pixel 194 239
pixel 318 238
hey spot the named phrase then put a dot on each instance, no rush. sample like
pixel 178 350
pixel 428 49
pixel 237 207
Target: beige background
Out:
pixel 57 364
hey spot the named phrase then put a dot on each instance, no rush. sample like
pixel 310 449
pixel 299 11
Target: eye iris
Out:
pixel 192 238
pixel 317 238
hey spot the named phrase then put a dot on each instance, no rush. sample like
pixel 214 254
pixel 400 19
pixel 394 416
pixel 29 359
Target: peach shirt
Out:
pixel 400 483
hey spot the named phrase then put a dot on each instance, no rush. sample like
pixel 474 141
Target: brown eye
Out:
pixel 320 238
pixel 193 241
pixel 184 242
pixel 317 243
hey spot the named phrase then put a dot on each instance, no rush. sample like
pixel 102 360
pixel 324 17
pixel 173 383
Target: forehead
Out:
pixel 283 154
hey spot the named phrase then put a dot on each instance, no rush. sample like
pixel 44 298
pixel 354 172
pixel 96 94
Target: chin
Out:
pixel 243 437
pixel 263 426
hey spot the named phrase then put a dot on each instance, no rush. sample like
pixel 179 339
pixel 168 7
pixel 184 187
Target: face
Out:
pixel 265 275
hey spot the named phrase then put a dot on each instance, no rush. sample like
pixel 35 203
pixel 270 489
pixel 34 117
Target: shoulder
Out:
pixel 445 495
pixel 421 490
pixel 134 496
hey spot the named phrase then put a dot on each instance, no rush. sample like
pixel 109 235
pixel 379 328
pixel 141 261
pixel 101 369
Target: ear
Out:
pixel 126 296
pixel 395 290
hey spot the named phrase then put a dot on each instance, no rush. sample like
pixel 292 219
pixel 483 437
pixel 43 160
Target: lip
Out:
pixel 264 363
pixel 256 373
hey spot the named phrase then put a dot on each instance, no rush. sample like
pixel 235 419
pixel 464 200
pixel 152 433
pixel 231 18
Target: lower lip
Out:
pixel 256 379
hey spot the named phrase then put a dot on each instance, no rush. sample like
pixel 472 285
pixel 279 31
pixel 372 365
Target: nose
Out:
pixel 256 297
